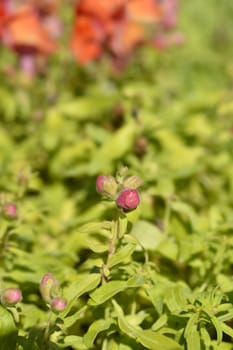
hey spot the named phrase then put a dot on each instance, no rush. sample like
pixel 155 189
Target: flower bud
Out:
pixel 10 210
pixel 128 199
pixel 132 182
pixel 49 287
pixel 58 304
pixel 106 185
pixel 11 296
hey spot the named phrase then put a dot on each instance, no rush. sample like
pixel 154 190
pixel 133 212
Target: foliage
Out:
pixel 159 276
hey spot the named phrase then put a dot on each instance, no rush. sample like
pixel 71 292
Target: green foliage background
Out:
pixel 168 117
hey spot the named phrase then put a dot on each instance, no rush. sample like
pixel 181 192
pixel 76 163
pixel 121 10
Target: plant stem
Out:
pixel 47 331
pixel 113 240
pixel 111 249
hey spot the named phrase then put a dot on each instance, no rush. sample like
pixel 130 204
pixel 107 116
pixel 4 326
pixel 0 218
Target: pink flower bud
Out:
pixel 49 287
pixel 58 304
pixel 11 296
pixel 10 210
pixel 106 185
pixel 128 199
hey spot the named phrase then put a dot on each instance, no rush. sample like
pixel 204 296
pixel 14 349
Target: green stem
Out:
pixel 47 331
pixel 113 240
pixel 111 249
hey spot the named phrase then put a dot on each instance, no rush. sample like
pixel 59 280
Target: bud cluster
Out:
pixel 50 292
pixel 122 190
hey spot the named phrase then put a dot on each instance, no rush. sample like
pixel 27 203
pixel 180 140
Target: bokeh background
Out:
pixel 86 89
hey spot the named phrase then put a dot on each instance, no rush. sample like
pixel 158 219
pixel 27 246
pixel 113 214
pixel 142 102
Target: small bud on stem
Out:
pixel 11 296
pixel 58 304
pixel 10 210
pixel 49 287
pixel 106 185
pixel 128 199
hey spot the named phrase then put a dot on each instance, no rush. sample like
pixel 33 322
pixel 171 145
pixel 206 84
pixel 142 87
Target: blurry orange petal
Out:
pixel 3 15
pixel 85 51
pixel 144 10
pixel 23 28
pixel 87 39
pixel 99 8
pixel 126 38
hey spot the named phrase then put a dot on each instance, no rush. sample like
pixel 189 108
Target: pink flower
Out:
pixel 10 210
pixel 58 304
pixel 106 185
pixel 128 199
pixel 11 296
pixel 49 287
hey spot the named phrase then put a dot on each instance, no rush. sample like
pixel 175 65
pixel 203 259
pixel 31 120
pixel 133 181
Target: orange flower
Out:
pixel 86 41
pixel 3 15
pixel 115 27
pixel 104 9
pixel 144 10
pixel 24 31
pixel 126 37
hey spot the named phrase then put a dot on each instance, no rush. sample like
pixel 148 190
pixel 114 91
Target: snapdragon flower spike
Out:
pixel 11 296
pixel 128 199
pixel 106 185
pixel 58 304
pixel 49 287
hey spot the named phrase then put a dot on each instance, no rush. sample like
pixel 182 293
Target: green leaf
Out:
pixel 191 334
pixel 94 227
pixel 161 321
pixel 185 209
pixel 225 282
pixel 148 338
pixel 70 320
pixel 175 299
pixel 81 285
pixel 205 337
pixel 95 246
pixel 122 227
pixel 111 288
pixel 147 234
pixel 122 255
pixel 106 292
pixel 114 148
pixel 154 341
pixel 75 341
pixel 8 330
pixel 218 326
pixel 95 328
pixel 124 325
pixel 87 107
pixel 169 249
pixel 227 329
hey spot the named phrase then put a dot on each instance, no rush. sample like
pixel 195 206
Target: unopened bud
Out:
pixel 132 182
pixel 58 304
pixel 106 185
pixel 10 210
pixel 11 296
pixel 49 287
pixel 128 199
